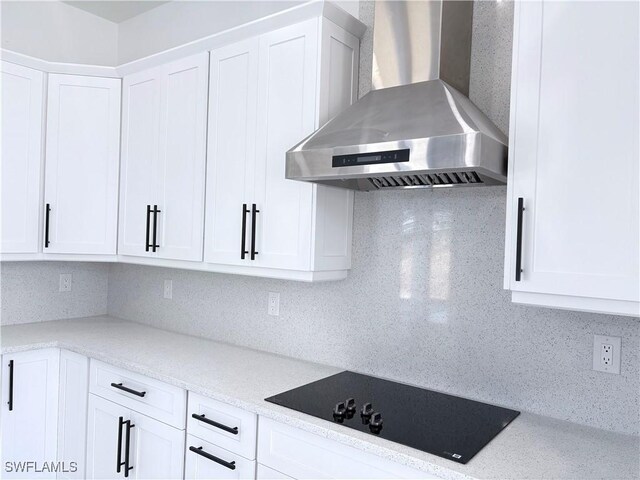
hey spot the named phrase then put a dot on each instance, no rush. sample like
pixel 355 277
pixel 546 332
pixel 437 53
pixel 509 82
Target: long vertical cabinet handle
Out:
pixel 10 402
pixel 147 246
pixel 155 228
pixel 254 212
pixel 243 240
pixel 119 462
pixel 47 212
pixel 127 448
pixel 519 239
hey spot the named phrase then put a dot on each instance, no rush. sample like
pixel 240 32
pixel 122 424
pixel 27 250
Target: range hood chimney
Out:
pixel 416 128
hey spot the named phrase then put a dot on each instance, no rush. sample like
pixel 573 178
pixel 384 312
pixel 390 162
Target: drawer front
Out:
pixel 161 401
pixel 220 424
pixel 303 455
pixel 210 462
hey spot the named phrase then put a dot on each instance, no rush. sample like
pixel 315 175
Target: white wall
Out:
pixel 58 32
pixel 177 23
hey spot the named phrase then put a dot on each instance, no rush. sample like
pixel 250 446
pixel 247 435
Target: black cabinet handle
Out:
pixel 213 458
pixel 155 227
pixel 254 212
pixel 47 212
pixel 243 250
pixel 119 386
pixel 213 423
pixel 147 246
pixel 119 462
pixel 10 402
pixel 519 239
pixel 127 448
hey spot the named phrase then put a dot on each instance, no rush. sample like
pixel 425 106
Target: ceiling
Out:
pixel 115 10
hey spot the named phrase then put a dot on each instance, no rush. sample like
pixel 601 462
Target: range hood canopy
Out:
pixel 420 77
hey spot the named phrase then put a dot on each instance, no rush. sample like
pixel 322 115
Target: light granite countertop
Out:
pixel 531 447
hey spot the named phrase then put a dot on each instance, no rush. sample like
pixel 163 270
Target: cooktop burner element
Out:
pixel 450 427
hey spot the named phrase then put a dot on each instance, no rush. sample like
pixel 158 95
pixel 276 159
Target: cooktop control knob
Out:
pixel 365 413
pixel 351 405
pixel 339 412
pixel 375 424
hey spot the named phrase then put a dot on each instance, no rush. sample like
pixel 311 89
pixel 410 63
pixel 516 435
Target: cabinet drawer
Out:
pixel 214 462
pixel 161 401
pixel 303 455
pixel 217 423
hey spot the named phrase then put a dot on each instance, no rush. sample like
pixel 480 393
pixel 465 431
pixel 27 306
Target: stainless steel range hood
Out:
pixel 417 128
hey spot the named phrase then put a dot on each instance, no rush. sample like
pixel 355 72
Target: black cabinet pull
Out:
pixel 47 212
pixel 119 386
pixel 243 247
pixel 254 212
pixel 10 402
pixel 127 448
pixel 147 246
pixel 519 239
pixel 119 462
pixel 199 451
pixel 155 227
pixel 213 423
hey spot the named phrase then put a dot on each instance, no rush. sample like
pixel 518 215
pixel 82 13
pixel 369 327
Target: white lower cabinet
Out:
pixel 266 473
pixel 72 414
pixel 29 411
pixel 125 443
pixel 303 455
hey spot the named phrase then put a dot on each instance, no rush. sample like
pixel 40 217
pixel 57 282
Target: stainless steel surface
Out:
pixel 406 45
pixel 421 49
pixel 445 132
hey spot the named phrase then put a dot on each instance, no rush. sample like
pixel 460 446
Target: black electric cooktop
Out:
pixel 450 427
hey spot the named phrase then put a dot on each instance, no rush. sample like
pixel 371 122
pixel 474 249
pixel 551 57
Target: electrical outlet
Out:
pixel 65 282
pixel 274 304
pixel 168 289
pixel 606 354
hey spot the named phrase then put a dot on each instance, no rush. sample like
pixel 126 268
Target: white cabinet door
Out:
pixel 20 170
pixel 140 144
pixel 82 160
pixel 164 126
pixel 286 114
pixel 72 413
pixel 181 170
pixel 231 151
pixel 206 461
pixel 29 409
pixel 156 449
pixel 103 431
pixel 574 153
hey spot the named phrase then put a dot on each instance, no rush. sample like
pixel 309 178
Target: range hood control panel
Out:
pixel 370 158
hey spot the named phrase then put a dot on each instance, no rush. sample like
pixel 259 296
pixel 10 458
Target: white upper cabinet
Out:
pixel 573 201
pixel 20 170
pixel 164 126
pixel 267 94
pixel 81 174
pixel 231 150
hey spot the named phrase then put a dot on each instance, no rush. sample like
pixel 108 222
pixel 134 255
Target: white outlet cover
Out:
pixel 273 308
pixel 65 282
pixel 598 362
